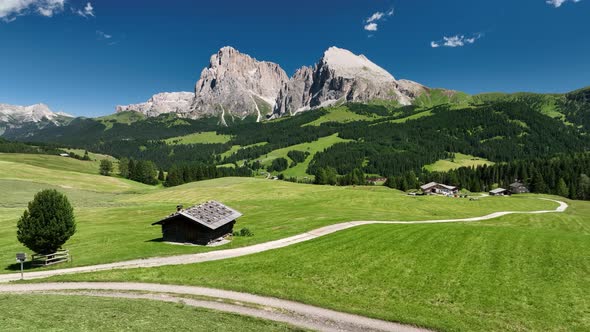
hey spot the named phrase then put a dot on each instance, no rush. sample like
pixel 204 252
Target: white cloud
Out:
pixel 371 21
pixel 102 35
pixel 48 8
pixel 375 17
pixel 10 9
pixel 371 27
pixel 456 41
pixel 87 11
pixel 558 3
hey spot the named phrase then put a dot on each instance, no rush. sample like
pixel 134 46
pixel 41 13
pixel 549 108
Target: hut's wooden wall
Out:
pixel 185 231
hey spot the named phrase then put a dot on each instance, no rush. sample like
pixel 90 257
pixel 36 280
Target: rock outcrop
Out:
pixel 342 76
pixel 237 85
pixel 166 102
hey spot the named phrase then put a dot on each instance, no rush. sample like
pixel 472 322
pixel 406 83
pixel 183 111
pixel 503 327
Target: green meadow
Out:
pixel 114 215
pixel 460 160
pixel 208 137
pixel 340 114
pixel 107 314
pixel 300 170
pixel 515 273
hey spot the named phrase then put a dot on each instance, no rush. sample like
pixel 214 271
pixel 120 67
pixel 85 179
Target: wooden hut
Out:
pixel 199 224
pixel 518 188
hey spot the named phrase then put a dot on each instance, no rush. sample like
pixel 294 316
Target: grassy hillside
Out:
pixel 208 137
pixel 127 118
pixel 517 273
pixel 300 169
pixel 105 314
pixel 56 162
pixel 460 160
pixel 435 97
pixel 340 114
pixel 382 139
pixel 114 216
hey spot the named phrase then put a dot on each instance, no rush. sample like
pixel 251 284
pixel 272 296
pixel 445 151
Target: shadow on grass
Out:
pixel 156 240
pixel 16 267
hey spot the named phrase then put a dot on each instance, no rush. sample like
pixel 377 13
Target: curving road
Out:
pixel 257 248
pixel 294 313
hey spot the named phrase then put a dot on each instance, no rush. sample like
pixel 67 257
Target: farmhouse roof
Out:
pixel 497 191
pixel 211 214
pixel 428 185
pixel 434 184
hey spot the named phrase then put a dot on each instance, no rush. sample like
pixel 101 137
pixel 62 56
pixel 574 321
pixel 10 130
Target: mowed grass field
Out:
pixel 86 313
pixel 516 273
pixel 114 215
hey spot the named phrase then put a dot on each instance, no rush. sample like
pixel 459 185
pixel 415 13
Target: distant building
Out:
pixel 438 188
pixel 199 224
pixel 64 154
pixel 500 192
pixel 375 180
pixel 518 188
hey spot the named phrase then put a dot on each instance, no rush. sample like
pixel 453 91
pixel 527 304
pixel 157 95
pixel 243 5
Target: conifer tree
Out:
pixel 562 189
pixel 47 223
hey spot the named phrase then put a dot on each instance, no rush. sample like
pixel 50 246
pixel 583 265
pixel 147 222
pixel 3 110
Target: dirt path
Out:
pixel 294 313
pixel 257 248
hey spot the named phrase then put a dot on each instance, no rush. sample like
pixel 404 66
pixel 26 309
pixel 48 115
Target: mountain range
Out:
pixel 14 116
pixel 236 86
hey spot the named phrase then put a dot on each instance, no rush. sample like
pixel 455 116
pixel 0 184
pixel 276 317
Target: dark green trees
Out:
pixel 562 189
pixel 143 171
pixel 298 156
pixel 86 156
pixel 124 167
pixel 584 187
pixel 47 223
pixel 279 165
pixel 106 167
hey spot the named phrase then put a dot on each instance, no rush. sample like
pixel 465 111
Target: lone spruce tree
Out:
pixel 47 223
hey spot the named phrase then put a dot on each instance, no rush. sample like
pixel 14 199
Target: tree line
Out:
pixel 185 173
pixel 564 175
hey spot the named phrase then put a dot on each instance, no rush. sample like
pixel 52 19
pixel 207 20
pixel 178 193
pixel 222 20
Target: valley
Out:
pixel 333 166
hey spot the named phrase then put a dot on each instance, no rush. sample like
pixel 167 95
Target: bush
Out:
pixel 244 232
pixel 47 223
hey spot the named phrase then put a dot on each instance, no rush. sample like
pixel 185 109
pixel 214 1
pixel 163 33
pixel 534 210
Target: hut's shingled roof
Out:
pixel 211 214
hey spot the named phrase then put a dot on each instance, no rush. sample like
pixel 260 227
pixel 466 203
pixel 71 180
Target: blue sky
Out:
pixel 85 59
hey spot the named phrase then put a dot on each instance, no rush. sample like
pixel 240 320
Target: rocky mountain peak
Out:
pixel 237 85
pixel 349 65
pixel 342 76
